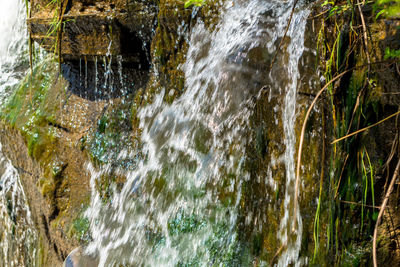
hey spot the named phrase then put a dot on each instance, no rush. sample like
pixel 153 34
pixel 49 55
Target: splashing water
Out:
pixel 295 50
pixel 13 45
pixel 18 237
pixel 181 203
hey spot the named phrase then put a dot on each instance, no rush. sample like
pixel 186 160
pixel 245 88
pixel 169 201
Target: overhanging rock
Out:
pixel 99 35
pixel 94 28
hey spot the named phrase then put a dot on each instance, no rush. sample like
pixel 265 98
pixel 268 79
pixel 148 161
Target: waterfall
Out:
pixel 182 201
pixel 13 45
pixel 295 50
pixel 18 237
pixel 180 205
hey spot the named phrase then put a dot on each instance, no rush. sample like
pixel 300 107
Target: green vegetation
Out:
pixel 184 224
pixel 111 135
pixel 26 108
pixel 33 113
pixel 388 8
pixel 347 47
pixel 392 54
pixel 56 26
pixel 220 248
pixel 80 228
pixel 194 3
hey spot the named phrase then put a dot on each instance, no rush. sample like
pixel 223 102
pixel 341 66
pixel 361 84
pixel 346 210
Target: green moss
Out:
pixel 221 248
pixel 80 228
pixel 194 3
pixel 32 110
pixel 225 250
pixel 183 223
pixel 112 135
pixel 26 109
pixel 41 254
pixel 356 256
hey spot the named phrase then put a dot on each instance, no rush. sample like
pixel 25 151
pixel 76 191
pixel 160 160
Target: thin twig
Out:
pixel 284 36
pixel 341 174
pixel 366 128
pixel 394 93
pixel 365 33
pixel 382 210
pixel 358 204
pixel 389 160
pixel 277 253
pixel 63 7
pixel 318 15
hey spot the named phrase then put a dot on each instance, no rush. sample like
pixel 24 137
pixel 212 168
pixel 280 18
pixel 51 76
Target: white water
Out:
pixel 13 44
pixel 18 237
pixel 181 204
pixel 194 150
pixel 295 50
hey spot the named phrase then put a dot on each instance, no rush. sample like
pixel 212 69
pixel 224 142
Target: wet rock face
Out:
pixel 105 53
pixel 100 79
pixel 52 164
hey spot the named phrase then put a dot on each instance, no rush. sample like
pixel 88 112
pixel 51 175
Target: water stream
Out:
pixel 180 206
pixel 18 237
pixel 182 202
pixel 13 45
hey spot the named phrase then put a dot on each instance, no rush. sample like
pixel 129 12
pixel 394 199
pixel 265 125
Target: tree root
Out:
pixel 366 128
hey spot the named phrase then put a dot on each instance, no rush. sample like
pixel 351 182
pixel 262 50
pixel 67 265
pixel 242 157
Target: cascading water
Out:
pixel 181 204
pixel 182 201
pixel 13 45
pixel 295 50
pixel 18 237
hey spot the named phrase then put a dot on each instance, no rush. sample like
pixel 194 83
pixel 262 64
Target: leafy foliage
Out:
pixel 194 3
pixel 335 8
pixel 388 8
pixel 392 54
